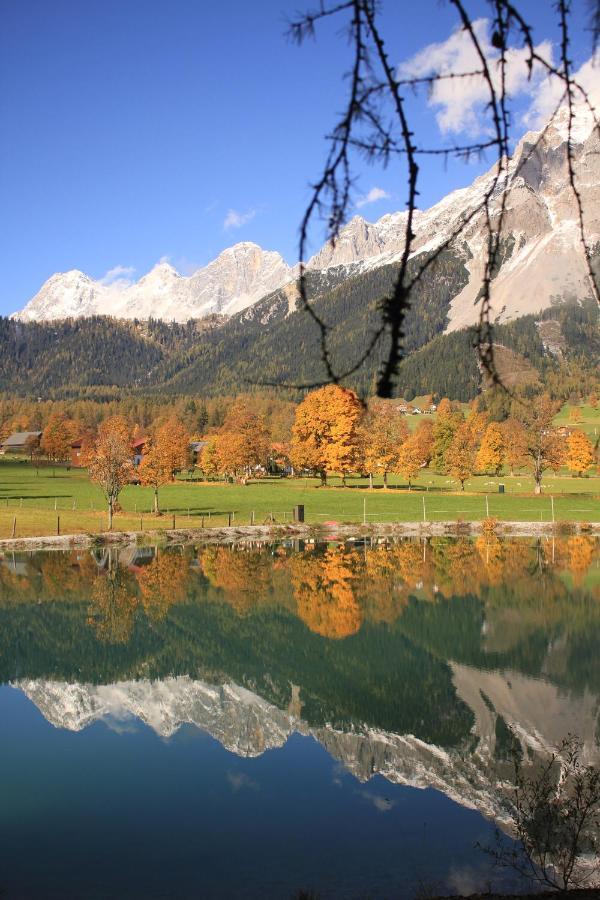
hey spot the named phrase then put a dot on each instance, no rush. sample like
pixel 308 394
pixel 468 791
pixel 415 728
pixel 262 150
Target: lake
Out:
pixel 253 720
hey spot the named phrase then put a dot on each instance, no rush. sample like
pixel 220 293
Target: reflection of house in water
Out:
pixel 133 557
pixel 16 566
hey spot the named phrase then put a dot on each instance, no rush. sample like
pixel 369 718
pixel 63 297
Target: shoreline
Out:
pixel 300 532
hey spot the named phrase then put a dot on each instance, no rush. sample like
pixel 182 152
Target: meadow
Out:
pixel 37 499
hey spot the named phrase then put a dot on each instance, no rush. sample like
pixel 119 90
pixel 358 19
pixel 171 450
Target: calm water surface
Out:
pixel 249 720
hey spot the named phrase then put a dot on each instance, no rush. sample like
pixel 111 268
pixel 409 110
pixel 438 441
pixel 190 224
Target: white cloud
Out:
pixel 235 219
pixel 118 276
pixel 461 102
pixel 239 781
pixel 375 194
pixel 550 91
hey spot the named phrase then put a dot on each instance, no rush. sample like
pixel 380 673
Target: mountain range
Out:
pixel 542 261
pixel 248 725
pixel 237 324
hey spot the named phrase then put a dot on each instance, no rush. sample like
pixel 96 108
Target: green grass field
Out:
pixel 590 420
pixel 37 500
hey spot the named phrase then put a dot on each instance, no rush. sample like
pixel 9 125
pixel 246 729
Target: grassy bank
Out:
pixel 39 500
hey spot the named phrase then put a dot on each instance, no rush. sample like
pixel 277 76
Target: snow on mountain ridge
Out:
pixel 542 256
pixel 237 278
pixel 246 724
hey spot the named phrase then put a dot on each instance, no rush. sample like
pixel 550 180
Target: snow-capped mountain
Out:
pixel 542 260
pixel 237 278
pixel 246 724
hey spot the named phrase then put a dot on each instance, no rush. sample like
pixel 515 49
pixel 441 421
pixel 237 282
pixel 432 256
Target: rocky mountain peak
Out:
pixel 542 260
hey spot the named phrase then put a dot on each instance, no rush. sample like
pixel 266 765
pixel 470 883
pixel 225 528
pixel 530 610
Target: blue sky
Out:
pixel 134 130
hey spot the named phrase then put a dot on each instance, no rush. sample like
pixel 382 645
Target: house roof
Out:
pixel 20 438
pixel 139 443
pixel 198 445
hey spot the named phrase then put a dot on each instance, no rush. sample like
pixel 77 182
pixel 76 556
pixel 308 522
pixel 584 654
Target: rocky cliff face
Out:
pixel 247 725
pixel 542 258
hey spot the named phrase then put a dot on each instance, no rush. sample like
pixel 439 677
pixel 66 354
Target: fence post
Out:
pixel 229 519
pixel 173 521
pixel 552 502
pixel 424 510
pixel 14 531
pixel 364 510
pixel 487 506
pixel 202 522
pixel 58 524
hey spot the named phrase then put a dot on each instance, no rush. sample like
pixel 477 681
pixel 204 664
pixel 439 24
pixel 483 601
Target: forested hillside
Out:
pixel 267 345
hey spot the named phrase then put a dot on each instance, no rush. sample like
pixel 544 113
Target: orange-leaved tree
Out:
pixel 459 458
pixel 381 434
pixel 110 463
pixel 208 462
pixel 325 432
pixel 579 456
pixel 412 456
pixel 154 470
pixel 171 446
pixel 515 443
pixel 492 450
pixel 244 442
pixel 544 447
pixel 56 438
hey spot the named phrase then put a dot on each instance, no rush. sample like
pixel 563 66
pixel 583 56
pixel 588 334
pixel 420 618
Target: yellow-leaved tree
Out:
pixel 412 456
pixel 579 456
pixel 154 470
pixel 491 454
pixel 544 447
pixel 171 445
pixel 515 443
pixel 460 456
pixel 56 438
pixel 381 434
pixel 109 459
pixel 242 447
pixel 325 432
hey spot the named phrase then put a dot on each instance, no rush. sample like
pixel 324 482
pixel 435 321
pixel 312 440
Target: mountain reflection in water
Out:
pixel 408 659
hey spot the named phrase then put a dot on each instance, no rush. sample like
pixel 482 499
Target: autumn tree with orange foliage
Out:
pixel 324 591
pixel 244 443
pixel 381 434
pixel 459 459
pixel 244 576
pixel 56 438
pixel 515 443
pixel 544 447
pixel 410 458
pixel 447 423
pixel 113 606
pixel 154 471
pixel 171 446
pixel 579 456
pixel 110 462
pixel 492 450
pixel 325 432
pixel 208 461
pixel 162 583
